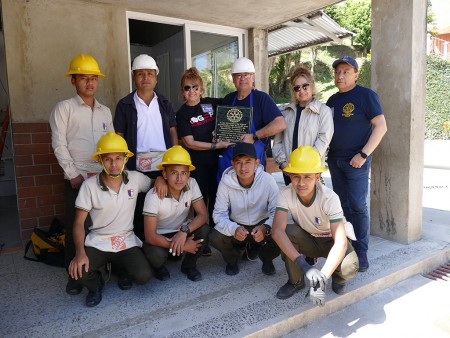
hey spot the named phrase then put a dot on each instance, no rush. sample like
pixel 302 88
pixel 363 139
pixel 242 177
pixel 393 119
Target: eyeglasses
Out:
pixel 188 88
pixel 304 86
pixel 242 75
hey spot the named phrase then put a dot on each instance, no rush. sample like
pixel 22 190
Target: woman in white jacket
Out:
pixel 309 121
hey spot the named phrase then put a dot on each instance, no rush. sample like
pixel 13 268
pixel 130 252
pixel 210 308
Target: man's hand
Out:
pixel 76 182
pixel 259 233
pixel 192 246
pixel 76 265
pixel 160 187
pixel 247 138
pixel 240 234
pixel 316 277
pixel 357 161
pixel 317 296
pixel 223 144
pixel 178 242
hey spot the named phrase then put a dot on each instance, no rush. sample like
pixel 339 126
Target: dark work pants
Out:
pixel 230 247
pixel 70 195
pixel 132 261
pixel 312 246
pixel 158 256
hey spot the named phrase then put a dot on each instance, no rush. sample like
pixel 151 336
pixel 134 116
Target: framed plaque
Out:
pixel 233 122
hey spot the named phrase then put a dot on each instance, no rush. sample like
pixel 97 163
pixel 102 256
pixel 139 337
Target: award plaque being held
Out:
pixel 233 122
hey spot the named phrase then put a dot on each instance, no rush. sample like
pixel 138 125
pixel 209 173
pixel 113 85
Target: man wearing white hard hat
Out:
pixel 267 118
pixel 146 120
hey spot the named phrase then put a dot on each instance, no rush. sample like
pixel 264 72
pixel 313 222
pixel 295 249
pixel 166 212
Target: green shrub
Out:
pixel 437 101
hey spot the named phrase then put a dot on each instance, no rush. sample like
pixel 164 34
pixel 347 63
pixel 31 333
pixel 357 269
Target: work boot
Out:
pixel 289 289
pixel 162 273
pixel 363 261
pixel 124 282
pixel 232 269
pixel 192 274
pixel 94 297
pixel 268 268
pixel 338 288
pixel 73 287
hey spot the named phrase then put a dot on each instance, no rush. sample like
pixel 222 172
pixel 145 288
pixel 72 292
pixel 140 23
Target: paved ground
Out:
pixel 390 295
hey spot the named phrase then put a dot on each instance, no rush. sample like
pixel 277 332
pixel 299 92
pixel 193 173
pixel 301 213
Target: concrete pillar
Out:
pixel 398 76
pixel 258 45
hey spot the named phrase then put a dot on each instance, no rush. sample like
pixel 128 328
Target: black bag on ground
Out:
pixel 48 246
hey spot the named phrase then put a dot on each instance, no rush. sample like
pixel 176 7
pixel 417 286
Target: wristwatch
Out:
pixel 255 138
pixel 268 230
pixel 363 154
pixel 185 228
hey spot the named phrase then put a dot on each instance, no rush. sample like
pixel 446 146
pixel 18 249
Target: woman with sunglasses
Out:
pixel 196 120
pixel 309 121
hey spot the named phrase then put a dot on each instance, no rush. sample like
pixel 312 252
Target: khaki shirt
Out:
pixel 76 129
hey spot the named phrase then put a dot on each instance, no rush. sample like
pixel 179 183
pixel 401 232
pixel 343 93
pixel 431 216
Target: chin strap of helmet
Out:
pixel 113 175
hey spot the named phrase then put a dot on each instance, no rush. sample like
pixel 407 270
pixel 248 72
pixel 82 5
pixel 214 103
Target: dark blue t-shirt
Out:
pixel 353 111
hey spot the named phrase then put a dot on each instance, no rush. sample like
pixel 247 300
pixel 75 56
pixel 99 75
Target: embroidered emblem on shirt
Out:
pixel 186 204
pixel 118 243
pixel 104 126
pixel 348 110
pixel 131 192
pixel 317 220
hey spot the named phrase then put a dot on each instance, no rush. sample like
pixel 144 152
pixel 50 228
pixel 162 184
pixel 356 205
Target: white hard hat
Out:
pixel 144 61
pixel 243 65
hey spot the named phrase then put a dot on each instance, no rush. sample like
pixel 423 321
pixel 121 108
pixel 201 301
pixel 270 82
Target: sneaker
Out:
pixel 94 298
pixel 311 260
pixel 363 262
pixel 162 273
pixel 289 289
pixel 251 252
pixel 338 288
pixel 206 251
pixel 232 269
pixel 192 274
pixel 73 287
pixel 268 268
pixel 124 282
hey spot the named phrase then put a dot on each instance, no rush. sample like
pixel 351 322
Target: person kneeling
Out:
pixel 109 198
pixel 168 231
pixel 244 210
pixel 318 230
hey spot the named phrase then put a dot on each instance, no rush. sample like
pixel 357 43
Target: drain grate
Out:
pixel 442 273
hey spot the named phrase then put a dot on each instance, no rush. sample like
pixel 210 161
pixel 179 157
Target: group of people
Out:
pixel 136 199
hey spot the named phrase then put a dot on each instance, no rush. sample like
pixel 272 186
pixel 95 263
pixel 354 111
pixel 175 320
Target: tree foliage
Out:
pixel 355 16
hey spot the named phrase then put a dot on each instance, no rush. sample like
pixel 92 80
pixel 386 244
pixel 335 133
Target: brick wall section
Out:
pixel 39 178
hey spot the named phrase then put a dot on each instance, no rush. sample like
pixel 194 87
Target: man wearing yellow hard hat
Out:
pixel 77 124
pixel 169 232
pixel 109 198
pixel 319 230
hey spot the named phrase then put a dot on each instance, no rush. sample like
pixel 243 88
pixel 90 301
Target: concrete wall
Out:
pixel 41 37
pixel 398 76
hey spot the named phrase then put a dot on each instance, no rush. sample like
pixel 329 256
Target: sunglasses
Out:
pixel 304 86
pixel 242 75
pixel 188 88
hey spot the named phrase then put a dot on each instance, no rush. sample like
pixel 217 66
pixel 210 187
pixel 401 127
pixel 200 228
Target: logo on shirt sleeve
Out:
pixel 348 110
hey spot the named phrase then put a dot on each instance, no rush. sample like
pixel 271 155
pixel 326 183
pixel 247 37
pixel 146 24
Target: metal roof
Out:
pixel 305 31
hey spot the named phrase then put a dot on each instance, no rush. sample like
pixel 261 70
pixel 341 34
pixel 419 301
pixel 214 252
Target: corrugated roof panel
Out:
pixel 283 39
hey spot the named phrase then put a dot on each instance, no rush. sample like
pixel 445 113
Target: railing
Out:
pixel 438 47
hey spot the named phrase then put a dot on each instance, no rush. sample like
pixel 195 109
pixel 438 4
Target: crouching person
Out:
pixel 168 230
pixel 109 198
pixel 318 230
pixel 244 210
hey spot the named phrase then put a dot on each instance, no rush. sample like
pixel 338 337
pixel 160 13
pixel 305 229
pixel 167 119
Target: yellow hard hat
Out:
pixel 84 64
pixel 176 155
pixel 111 143
pixel 305 160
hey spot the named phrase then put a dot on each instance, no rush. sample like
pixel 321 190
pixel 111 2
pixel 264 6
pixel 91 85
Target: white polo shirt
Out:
pixel 171 213
pixel 315 218
pixel 112 213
